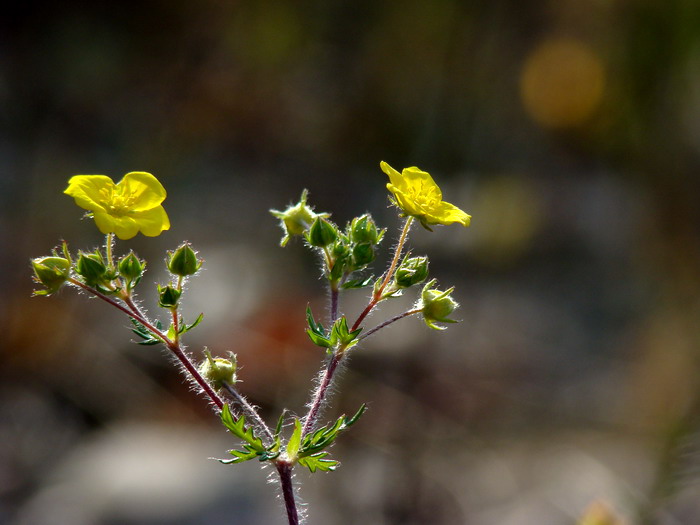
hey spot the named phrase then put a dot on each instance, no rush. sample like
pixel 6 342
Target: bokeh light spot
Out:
pixel 562 83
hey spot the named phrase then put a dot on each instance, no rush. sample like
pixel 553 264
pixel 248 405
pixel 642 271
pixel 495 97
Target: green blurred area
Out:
pixel 570 130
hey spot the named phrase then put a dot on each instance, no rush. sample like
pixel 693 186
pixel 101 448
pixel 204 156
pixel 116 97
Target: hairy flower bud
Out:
pixel 363 229
pixel 296 219
pixel 413 270
pixel 437 305
pixel 322 233
pixel 51 272
pixel 183 261
pixel 362 254
pixel 131 267
pixel 92 268
pixel 168 296
pixel 218 370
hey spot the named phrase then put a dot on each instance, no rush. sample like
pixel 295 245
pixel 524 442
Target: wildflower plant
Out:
pixel 134 205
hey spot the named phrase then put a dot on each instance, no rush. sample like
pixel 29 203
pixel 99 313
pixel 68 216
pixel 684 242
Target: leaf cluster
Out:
pixel 339 334
pixel 309 450
pixel 253 446
pixel 149 338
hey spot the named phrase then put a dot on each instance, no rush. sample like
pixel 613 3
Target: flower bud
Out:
pixel 168 296
pixel 362 254
pixel 363 229
pixel 218 370
pixel 322 233
pixel 183 261
pixel 437 305
pixel 52 272
pixel 92 268
pixel 296 219
pixel 131 267
pixel 412 270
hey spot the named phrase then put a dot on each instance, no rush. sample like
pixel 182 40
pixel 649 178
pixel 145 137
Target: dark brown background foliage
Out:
pixel 569 129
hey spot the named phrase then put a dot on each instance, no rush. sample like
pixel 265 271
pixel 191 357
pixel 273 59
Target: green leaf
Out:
pixel 294 441
pixel 316 332
pixel 145 334
pixel 357 283
pixel 326 435
pixel 240 455
pixel 341 334
pixel 358 415
pixel 237 428
pixel 184 327
pixel 315 327
pixel 318 462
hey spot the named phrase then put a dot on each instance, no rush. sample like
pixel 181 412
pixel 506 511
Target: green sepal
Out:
pixel 357 283
pixel 168 296
pixel 318 462
pixel 145 334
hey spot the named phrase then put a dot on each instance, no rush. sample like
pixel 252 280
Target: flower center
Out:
pixel 424 199
pixel 117 201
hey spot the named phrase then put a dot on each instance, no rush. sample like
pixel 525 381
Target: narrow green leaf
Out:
pixel 358 415
pixel 317 462
pixel 318 340
pixel 294 441
pixel 357 283
pixel 184 327
pixel 237 428
pixel 315 327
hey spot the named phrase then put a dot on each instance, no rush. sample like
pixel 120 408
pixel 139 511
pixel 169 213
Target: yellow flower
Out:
pixel 416 193
pixel 125 208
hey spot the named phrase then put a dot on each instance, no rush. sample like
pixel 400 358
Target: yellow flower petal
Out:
pixel 144 189
pixel 124 227
pixel 86 190
pixel 153 222
pixel 421 182
pixel 125 208
pixel 394 176
pixel 449 213
pixel 417 195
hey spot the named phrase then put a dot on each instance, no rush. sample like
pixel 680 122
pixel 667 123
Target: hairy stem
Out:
pixel 109 243
pixel 285 471
pixel 335 294
pixel 377 295
pixel 173 346
pixel 321 392
pixel 388 322
pixel 250 411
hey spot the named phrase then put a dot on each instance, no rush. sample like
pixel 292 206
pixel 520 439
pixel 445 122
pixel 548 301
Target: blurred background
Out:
pixel 569 129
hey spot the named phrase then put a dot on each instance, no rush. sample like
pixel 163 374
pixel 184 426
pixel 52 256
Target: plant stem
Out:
pixel 388 322
pixel 397 254
pixel 185 361
pixel 377 295
pixel 285 471
pixel 326 379
pixel 321 392
pixel 173 346
pixel 176 327
pixel 335 293
pixel 249 411
pixel 109 242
